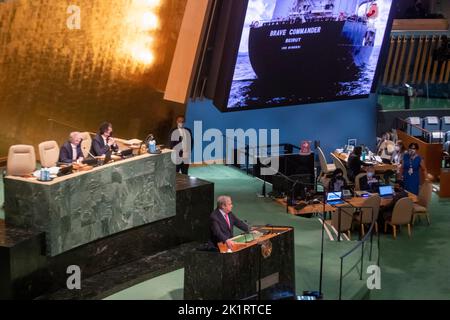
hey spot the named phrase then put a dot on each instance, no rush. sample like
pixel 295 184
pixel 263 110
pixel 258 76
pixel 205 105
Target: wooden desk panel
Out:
pixel 444 191
pixel 275 231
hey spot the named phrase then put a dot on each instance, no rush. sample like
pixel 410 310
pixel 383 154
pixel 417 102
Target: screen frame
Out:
pixel 238 10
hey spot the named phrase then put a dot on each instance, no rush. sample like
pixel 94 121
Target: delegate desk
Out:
pixel 354 201
pixel 268 260
pixel 379 167
pixel 82 207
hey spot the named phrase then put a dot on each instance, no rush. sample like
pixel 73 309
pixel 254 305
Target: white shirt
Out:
pixel 74 152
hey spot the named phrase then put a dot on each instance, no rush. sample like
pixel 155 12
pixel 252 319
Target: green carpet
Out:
pixel 415 268
pixel 259 211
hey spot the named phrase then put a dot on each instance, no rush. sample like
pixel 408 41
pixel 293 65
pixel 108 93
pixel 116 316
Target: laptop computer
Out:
pixel 90 161
pixel 334 198
pixel 127 153
pixel 386 191
pixel 63 171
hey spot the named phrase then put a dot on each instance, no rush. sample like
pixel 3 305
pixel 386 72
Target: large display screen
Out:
pixel 303 51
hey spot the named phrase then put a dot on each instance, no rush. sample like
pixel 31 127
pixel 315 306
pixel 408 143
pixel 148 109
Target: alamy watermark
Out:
pixel 374 280
pixel 73 22
pixel 235 146
pixel 74 280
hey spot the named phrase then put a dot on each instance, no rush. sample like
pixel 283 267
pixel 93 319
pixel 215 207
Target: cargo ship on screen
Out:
pixel 307 37
pixel 295 52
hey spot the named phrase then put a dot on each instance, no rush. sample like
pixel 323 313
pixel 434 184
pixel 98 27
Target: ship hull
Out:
pixel 298 51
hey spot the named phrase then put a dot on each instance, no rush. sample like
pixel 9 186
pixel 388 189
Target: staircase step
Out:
pixel 125 276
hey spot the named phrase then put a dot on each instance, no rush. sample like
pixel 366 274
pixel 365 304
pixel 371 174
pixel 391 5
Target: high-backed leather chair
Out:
pixel 401 215
pixel 340 165
pixel 324 166
pixel 86 143
pixel 369 212
pixel 421 207
pixel 344 224
pixel 49 153
pixel 21 160
pixel 358 180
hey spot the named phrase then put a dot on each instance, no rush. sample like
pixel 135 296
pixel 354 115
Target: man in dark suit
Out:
pixel 71 150
pixel 181 140
pixel 222 221
pixel 104 141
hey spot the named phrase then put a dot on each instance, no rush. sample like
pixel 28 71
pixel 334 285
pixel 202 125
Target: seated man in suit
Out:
pixel 104 141
pixel 370 182
pixel 222 221
pixel 71 150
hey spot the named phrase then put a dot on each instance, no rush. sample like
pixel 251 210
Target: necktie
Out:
pixel 228 220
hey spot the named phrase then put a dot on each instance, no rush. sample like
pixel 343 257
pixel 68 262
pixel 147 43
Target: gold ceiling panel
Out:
pixel 82 62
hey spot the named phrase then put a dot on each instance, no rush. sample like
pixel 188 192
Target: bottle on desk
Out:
pixel 152 145
pixel 44 174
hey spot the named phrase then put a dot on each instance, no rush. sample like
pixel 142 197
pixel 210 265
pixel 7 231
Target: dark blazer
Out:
pixel 172 144
pixel 354 165
pixel 66 153
pixel 220 232
pixel 99 148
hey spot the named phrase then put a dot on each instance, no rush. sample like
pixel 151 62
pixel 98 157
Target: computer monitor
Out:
pixel 386 191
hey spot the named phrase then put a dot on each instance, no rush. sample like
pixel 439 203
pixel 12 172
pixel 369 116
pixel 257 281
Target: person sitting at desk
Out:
pixel 370 181
pixel 386 212
pixel 355 165
pixel 337 182
pixel 222 221
pixel 103 141
pixel 71 149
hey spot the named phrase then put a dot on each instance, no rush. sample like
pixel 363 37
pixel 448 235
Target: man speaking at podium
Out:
pixel 222 221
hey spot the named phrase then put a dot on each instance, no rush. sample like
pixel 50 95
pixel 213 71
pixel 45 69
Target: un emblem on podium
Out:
pixel 266 249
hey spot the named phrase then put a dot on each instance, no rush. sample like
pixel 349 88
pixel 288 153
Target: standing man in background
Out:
pixel 181 140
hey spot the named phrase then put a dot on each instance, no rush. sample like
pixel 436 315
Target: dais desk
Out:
pixel 82 207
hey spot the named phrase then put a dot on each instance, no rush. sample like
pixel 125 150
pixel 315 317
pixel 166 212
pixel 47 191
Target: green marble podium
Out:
pixel 77 209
